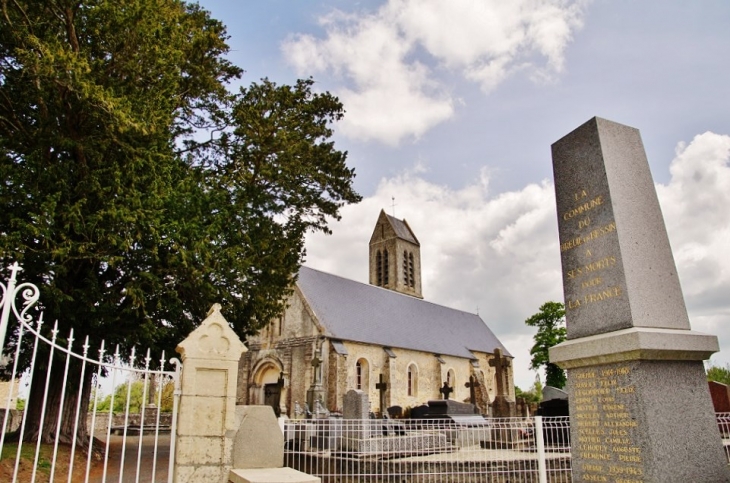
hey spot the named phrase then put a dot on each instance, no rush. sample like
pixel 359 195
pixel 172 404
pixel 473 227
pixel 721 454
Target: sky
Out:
pixel 451 109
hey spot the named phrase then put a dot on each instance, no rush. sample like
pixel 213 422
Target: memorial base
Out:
pixel 641 420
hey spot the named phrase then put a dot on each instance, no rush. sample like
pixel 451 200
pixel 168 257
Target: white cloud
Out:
pixel 695 206
pixel 498 254
pixel 384 59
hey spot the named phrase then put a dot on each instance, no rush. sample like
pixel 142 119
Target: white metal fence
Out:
pixel 112 452
pixel 723 424
pixel 498 450
pixel 492 450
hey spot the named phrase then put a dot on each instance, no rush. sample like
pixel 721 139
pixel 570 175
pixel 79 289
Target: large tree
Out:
pixel 136 190
pixel 550 323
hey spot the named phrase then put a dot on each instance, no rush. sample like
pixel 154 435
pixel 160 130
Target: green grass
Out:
pixel 27 456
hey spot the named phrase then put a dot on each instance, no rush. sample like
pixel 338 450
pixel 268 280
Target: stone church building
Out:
pixel 337 334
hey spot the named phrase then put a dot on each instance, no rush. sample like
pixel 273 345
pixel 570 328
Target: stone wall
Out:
pixel 5 391
pixel 431 374
pixel 150 418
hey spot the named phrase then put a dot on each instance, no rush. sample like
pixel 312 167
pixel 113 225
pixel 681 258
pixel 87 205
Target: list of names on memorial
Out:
pixel 605 426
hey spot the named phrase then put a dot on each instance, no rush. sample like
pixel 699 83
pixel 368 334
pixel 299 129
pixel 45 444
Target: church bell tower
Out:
pixel 395 256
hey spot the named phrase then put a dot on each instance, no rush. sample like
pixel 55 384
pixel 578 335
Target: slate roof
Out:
pixel 402 230
pixel 359 312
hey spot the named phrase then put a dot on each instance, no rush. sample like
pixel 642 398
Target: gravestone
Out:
pixel 631 356
pixel 395 412
pixel 502 406
pixel 356 405
pixel 364 437
pixel 554 404
pixel 549 393
pixel 460 422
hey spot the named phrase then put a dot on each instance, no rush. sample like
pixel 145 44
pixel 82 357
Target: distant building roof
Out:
pixel 359 312
pixel 402 230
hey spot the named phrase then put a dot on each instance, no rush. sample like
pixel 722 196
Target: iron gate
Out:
pixel 137 443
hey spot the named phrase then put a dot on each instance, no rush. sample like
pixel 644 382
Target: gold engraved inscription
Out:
pixel 593 287
pixel 590 236
pixel 583 208
pixel 605 425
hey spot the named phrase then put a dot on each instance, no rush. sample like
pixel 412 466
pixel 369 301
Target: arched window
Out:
pixel 385 267
pixel 412 380
pixel 450 378
pixel 379 268
pixel 405 268
pixel 411 278
pixel 362 378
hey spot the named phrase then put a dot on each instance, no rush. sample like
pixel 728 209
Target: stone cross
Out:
pixel 472 385
pixel 382 386
pixel 500 364
pixel 446 390
pixel 316 363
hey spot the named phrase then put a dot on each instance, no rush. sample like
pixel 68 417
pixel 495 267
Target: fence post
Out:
pixel 541 467
pixel 207 414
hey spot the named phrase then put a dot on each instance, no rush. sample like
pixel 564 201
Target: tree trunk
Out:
pixel 48 430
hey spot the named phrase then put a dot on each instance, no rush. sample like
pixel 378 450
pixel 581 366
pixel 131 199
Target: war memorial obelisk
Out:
pixel 640 408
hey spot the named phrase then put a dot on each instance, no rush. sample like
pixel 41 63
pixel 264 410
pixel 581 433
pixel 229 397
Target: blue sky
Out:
pixel 452 108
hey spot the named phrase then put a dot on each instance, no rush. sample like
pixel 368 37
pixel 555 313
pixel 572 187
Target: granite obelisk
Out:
pixel 640 408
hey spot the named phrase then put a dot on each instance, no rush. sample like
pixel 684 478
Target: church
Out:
pixel 382 338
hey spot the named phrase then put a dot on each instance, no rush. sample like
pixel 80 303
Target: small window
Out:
pixel 358 375
pixel 412 378
pixel 379 268
pixel 411 278
pixel 405 269
pixel 385 267
pixel 362 378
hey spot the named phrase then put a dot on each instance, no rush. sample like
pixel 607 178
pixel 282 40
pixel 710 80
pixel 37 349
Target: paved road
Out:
pixel 111 471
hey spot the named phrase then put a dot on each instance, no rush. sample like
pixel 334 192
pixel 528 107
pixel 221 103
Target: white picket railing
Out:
pixel 346 450
pixel 109 456
pixel 499 450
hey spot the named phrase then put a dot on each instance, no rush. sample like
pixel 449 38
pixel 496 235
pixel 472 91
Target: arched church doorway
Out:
pixel 268 386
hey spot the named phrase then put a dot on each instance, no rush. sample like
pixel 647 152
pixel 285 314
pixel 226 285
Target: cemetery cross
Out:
pixel 472 385
pixel 382 386
pixel 500 364
pixel 446 390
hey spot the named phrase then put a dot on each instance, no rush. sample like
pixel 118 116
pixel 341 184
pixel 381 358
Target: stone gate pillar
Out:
pixel 207 413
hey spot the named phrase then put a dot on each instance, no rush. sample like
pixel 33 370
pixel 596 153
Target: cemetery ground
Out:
pixel 96 473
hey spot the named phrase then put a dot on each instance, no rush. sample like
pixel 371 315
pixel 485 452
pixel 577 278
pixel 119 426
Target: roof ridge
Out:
pixel 410 297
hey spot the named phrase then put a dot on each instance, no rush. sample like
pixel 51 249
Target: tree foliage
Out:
pixel 550 323
pixel 138 396
pixel 137 191
pixel 533 395
pixel 719 374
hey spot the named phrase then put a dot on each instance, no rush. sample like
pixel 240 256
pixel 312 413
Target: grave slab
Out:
pixel 271 475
